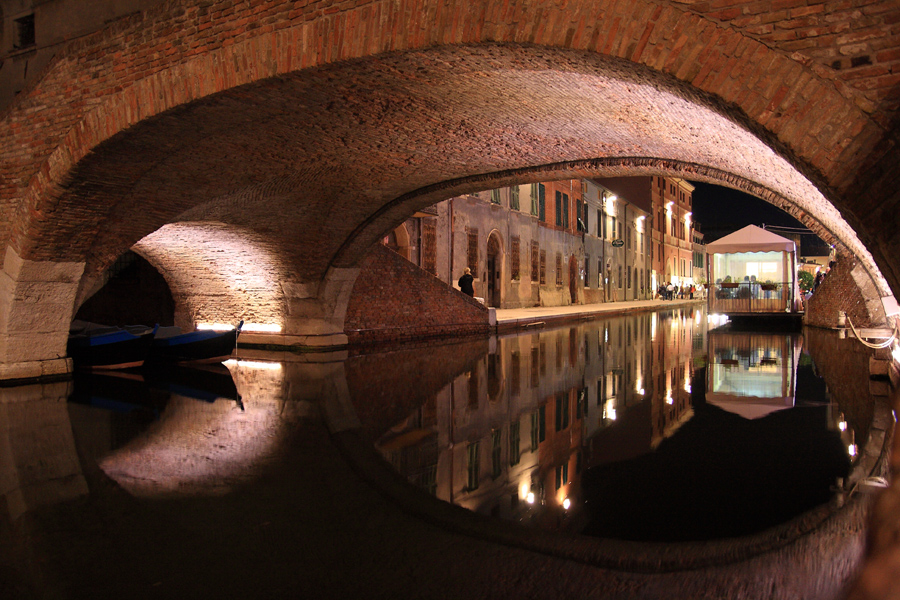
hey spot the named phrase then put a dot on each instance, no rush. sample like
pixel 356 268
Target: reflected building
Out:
pixel 752 374
pixel 515 435
pixel 512 435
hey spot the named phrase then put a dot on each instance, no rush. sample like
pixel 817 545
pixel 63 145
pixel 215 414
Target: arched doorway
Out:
pixel 573 279
pixel 492 277
pixel 398 241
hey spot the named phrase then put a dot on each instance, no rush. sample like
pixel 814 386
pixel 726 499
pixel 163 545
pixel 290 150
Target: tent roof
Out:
pixel 750 239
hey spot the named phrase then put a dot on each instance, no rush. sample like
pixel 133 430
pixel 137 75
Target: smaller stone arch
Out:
pixel 398 241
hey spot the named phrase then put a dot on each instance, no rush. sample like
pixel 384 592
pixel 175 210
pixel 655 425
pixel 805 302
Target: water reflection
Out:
pixel 607 429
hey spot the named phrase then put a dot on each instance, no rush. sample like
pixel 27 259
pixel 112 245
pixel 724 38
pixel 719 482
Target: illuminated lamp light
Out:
pixel 687 216
pixel 842 425
pixel 530 498
pixel 256 327
pixel 851 449
pixel 214 327
pixel 611 204
pixel 253 364
pixel 566 503
pixel 669 400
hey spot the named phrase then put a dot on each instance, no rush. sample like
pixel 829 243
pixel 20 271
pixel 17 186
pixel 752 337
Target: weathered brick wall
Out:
pixel 848 289
pixel 395 300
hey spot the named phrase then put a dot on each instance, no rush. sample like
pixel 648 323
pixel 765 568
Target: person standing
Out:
pixel 465 283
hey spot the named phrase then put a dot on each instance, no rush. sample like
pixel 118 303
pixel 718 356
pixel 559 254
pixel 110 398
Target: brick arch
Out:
pixel 88 152
pixel 744 73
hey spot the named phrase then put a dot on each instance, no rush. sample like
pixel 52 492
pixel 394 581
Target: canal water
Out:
pixel 660 427
pixel 669 426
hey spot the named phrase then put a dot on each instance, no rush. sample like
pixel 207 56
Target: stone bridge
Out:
pixel 253 150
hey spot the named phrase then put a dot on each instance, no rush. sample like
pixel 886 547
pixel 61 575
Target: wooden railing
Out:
pixel 750 297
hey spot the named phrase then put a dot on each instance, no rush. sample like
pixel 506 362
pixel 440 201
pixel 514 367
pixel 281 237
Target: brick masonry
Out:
pixel 847 289
pixel 182 72
pixel 394 300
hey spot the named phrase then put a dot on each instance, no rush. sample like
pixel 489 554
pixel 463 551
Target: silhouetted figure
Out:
pixel 465 283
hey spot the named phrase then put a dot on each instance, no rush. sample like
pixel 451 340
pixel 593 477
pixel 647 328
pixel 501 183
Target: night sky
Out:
pixel 718 207
pixel 720 211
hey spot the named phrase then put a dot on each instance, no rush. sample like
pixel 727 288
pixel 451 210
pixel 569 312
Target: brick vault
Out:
pixel 253 151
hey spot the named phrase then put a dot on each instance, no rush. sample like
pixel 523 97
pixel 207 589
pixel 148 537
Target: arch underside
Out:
pixel 340 155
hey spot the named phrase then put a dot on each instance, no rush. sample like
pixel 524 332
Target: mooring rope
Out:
pixel 884 344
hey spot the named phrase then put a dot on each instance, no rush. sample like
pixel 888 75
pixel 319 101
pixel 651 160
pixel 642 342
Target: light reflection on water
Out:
pixel 646 427
pixel 649 427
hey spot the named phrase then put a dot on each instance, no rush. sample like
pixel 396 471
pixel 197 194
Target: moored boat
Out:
pixel 93 346
pixel 203 346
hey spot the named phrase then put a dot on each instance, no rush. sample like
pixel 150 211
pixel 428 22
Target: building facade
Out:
pixel 559 243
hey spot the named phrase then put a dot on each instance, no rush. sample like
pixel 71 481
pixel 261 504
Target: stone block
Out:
pixel 879 387
pixel 878 368
pixel 27 347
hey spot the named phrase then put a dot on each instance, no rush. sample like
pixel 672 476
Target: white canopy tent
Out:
pixel 762 263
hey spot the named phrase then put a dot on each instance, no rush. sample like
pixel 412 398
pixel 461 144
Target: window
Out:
pixel 620 277
pixel 613 219
pixel 472 251
pixel 472 465
pixel 534 199
pixel 599 273
pixel 565 206
pixel 473 389
pixel 600 218
pixel 515 374
pixel 542 214
pixel 628 277
pixel 429 245
pixel 513 444
pixel 514 258
pixel 559 202
pixel 542 423
pixel 562 475
pixel 543 267
pixel 514 197
pixel 25 32
pixel 535 262
pixel 496 454
pixel 559 277
pixel 495 196
pixel 535 428
pixel 562 411
pixel 587 270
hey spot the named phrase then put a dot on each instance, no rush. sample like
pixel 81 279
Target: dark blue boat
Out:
pixel 93 346
pixel 172 346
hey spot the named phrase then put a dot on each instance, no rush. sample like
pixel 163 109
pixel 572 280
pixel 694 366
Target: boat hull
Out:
pixel 194 347
pixel 119 350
